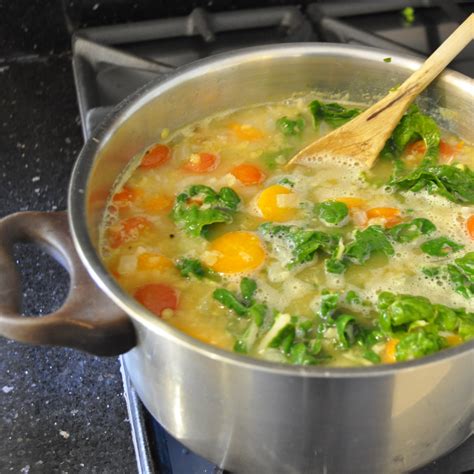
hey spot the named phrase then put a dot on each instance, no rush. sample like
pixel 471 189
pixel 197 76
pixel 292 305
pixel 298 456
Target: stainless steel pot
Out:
pixel 246 415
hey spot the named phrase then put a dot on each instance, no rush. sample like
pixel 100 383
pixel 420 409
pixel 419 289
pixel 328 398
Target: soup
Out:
pixel 330 264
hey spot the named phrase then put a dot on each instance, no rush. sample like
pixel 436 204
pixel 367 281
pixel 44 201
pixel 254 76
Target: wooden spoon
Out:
pixel 364 136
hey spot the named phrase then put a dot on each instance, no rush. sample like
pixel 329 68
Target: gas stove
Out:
pixel 112 61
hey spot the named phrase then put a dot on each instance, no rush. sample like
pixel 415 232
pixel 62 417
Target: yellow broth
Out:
pixel 141 243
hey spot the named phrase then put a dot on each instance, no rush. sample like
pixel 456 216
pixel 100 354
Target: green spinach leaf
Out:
pixel 302 244
pixel 329 304
pixel 446 318
pixel 248 287
pixel 414 125
pixel 366 242
pixel 200 206
pixel 461 275
pixel 466 326
pixel 192 267
pixel 417 344
pixel 432 272
pixel 345 326
pixel 332 213
pixel 409 231
pixel 273 159
pixel 290 127
pixel 363 245
pixel 440 247
pixel 454 182
pixel 334 114
pixel 230 300
pixel 396 310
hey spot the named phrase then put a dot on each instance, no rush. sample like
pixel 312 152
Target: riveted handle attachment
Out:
pixel 88 319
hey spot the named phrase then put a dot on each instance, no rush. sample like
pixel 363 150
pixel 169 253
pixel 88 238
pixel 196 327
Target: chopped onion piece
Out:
pixel 287 200
pixel 127 264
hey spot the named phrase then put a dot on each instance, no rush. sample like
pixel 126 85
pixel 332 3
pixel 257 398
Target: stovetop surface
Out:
pixel 125 58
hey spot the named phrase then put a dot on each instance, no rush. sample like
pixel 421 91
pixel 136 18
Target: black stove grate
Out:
pixel 112 61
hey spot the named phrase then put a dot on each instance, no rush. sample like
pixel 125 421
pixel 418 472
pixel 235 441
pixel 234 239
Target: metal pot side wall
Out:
pixel 253 421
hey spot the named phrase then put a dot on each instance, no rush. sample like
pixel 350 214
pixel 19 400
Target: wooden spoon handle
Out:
pixel 364 136
pixel 450 48
pixel 431 68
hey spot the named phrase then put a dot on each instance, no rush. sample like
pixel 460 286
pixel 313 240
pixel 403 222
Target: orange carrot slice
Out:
pixel 269 204
pixel 352 202
pixel 153 261
pixel 128 230
pixel 157 297
pixel 389 353
pixel 248 174
pixel 453 340
pixel 157 204
pixel 416 148
pixel 155 156
pixel 387 212
pixel 201 163
pixel 390 214
pixel 237 252
pixel 392 222
pixel 246 132
pixel 126 196
pixel 470 226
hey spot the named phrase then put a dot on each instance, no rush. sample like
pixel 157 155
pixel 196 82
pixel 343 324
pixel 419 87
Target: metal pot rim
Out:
pixel 93 264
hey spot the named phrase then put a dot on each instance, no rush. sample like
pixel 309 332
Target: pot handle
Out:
pixel 88 319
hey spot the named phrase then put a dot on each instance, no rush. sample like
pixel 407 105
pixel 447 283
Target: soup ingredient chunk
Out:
pixel 333 213
pixel 246 132
pixel 409 231
pixel 189 267
pixel 391 215
pixel 389 355
pixel 412 126
pixel 363 245
pixel 202 163
pixel 128 230
pixel 248 174
pixel 157 297
pixel 200 206
pixel 290 127
pixel 155 156
pixel 126 196
pixel 157 204
pixel 440 247
pixel 237 252
pixel 334 114
pixel 470 226
pixel 461 273
pixel 294 245
pixel 277 203
pixel 453 182
pixel 153 261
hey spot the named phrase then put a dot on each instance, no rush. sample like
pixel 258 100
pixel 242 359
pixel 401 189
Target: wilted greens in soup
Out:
pixel 328 265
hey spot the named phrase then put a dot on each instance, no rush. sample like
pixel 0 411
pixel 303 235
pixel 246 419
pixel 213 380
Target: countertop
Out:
pixel 60 410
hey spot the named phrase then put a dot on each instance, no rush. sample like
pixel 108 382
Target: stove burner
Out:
pixel 111 62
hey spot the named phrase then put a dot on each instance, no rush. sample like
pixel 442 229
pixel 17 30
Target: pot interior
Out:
pixel 248 77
